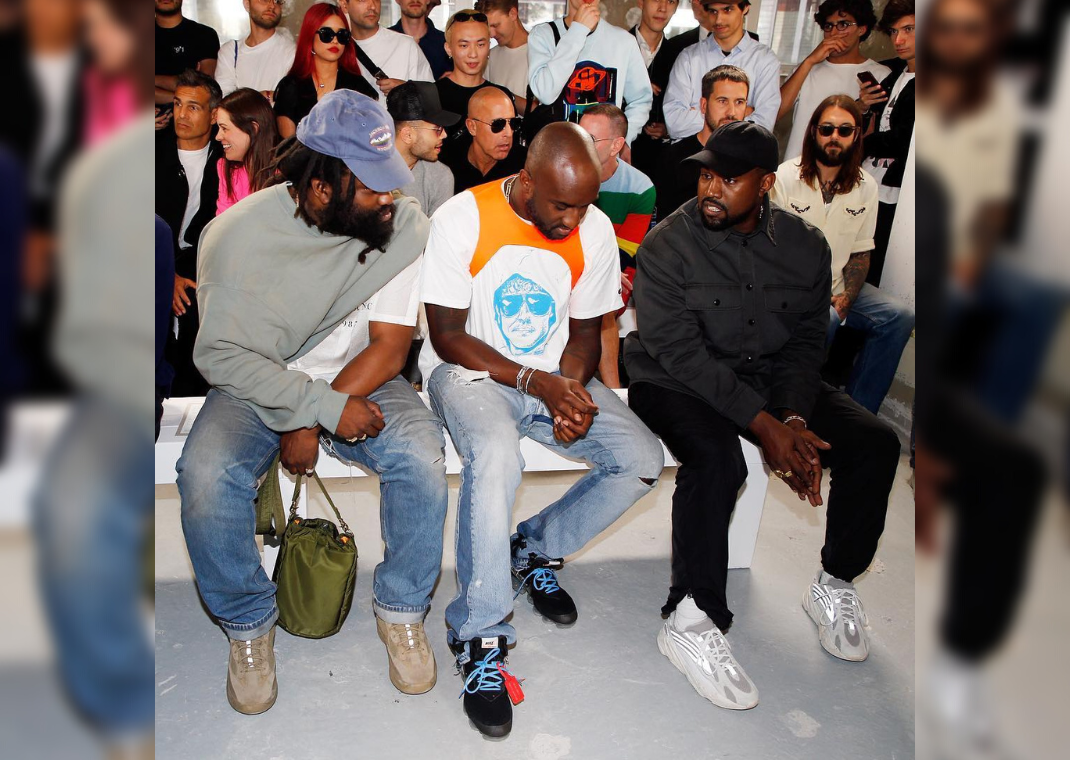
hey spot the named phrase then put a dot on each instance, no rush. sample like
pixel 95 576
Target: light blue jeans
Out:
pixel 887 323
pixel 229 448
pixel 486 421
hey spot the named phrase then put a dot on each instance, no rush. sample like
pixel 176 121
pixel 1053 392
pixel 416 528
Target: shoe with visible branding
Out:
pixel 251 683
pixel 486 698
pixel 841 622
pixel 412 663
pixel 701 652
pixel 536 575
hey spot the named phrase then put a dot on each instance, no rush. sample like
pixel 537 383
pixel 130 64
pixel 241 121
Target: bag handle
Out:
pixel 297 496
pixel 365 60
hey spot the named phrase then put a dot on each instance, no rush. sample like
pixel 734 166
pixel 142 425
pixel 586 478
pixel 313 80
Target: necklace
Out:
pixel 509 188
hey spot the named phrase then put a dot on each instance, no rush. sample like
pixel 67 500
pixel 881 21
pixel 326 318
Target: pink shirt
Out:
pixel 110 105
pixel 239 179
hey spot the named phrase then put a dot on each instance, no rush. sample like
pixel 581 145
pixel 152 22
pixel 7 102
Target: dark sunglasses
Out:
pixel 467 16
pixel 328 35
pixel 826 130
pixel 497 125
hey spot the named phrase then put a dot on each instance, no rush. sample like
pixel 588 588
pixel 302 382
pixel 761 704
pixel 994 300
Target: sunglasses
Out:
pixel 844 130
pixel 538 305
pixel 433 128
pixel 842 26
pixel 328 35
pixel 497 125
pixel 461 16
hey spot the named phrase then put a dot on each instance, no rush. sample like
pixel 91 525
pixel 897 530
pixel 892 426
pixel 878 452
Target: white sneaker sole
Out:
pixel 698 684
pixel 824 636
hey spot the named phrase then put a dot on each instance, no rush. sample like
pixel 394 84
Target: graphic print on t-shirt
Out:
pixel 589 84
pixel 526 315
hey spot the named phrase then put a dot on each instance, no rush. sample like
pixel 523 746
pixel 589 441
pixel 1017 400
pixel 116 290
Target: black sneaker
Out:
pixel 486 701
pixel 536 574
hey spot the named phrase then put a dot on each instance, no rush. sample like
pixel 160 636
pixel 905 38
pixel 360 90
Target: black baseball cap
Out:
pixel 737 147
pixel 418 101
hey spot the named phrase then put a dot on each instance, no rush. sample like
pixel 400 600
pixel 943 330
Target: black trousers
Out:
pixel 863 460
pixel 881 237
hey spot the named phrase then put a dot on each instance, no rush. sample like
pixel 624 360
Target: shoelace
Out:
pixel 542 579
pixel 405 634
pixel 254 655
pixel 716 648
pixel 849 606
pixel 486 675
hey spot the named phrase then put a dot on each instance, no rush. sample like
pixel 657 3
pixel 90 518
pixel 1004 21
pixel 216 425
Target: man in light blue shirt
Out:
pixel 727 43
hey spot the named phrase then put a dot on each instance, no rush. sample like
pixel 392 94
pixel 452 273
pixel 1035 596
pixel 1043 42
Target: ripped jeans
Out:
pixel 486 421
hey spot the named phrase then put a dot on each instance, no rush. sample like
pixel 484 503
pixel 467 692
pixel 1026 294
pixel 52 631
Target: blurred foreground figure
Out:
pixel 93 507
pixel 991 325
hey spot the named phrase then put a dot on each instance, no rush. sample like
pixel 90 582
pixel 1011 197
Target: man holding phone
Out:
pixel 835 67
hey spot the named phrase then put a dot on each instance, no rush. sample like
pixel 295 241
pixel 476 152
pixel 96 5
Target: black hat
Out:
pixel 737 147
pixel 418 101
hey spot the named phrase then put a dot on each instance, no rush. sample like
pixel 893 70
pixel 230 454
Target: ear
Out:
pixel 702 103
pixel 470 123
pixel 767 183
pixel 618 145
pixel 321 192
pixel 446 47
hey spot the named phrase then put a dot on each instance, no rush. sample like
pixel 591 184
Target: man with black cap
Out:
pixel 308 296
pixel 421 125
pixel 732 299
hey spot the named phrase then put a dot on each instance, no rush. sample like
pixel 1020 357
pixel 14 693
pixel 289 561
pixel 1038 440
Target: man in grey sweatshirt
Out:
pixel 308 297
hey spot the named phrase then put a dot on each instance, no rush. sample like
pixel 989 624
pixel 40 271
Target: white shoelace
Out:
pixel 405 634
pixel 254 654
pixel 716 649
pixel 848 606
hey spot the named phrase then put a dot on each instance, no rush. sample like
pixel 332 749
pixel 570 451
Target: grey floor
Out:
pixel 599 689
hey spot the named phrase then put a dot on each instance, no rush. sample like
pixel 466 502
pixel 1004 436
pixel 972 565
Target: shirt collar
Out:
pixel 715 237
pixel 741 47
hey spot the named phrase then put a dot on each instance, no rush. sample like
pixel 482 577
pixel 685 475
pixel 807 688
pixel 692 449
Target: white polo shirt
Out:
pixel 849 222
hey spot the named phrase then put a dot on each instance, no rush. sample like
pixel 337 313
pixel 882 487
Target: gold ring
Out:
pixel 780 474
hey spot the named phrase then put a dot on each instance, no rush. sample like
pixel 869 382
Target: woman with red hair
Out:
pixel 326 60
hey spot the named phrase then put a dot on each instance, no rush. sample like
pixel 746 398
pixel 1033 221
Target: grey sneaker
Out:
pixel 412 663
pixel 841 621
pixel 701 653
pixel 251 683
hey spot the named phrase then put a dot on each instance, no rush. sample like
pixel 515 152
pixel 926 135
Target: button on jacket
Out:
pixel 738 321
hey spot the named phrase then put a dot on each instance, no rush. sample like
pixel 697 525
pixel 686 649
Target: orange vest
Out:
pixel 500 226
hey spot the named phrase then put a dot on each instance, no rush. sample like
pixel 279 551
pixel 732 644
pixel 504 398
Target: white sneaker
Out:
pixel 701 652
pixel 841 621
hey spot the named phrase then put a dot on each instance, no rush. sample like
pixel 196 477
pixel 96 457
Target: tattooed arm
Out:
pixel 854 277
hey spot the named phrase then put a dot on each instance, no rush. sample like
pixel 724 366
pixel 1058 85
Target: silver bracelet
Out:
pixel 527 380
pixel 523 376
pixel 791 417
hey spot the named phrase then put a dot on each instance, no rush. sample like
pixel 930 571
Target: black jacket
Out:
pixel 895 143
pixel 172 191
pixel 738 321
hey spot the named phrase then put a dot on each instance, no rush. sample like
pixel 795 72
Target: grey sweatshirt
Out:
pixel 270 288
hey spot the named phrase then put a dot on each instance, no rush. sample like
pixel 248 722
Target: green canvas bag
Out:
pixel 315 572
pixel 270 515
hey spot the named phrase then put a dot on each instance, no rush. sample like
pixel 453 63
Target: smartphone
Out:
pixel 867 78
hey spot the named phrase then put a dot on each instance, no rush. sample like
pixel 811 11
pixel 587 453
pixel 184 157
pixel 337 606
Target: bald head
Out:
pixel 560 180
pixel 490 100
pixel 488 106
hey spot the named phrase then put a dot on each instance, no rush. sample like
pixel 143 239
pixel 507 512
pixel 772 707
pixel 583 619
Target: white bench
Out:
pixel 179 414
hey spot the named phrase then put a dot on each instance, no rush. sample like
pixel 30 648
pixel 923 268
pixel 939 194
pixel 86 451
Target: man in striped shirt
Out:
pixel 627 197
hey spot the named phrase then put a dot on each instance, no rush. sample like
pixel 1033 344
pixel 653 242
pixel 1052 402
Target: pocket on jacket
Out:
pixel 719 308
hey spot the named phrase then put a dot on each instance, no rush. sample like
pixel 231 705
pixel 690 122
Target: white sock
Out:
pixel 688 613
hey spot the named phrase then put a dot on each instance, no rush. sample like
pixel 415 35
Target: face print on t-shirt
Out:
pixel 526 315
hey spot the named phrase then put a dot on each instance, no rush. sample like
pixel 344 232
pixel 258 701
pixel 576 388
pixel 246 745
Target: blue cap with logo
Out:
pixel 353 127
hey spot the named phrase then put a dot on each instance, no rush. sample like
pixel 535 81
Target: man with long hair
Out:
pixel 827 187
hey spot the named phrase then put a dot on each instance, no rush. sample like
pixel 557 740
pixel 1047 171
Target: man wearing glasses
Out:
pixel 261 59
pixel 420 127
pixel 518 275
pixel 492 152
pixel 835 67
pixel 827 187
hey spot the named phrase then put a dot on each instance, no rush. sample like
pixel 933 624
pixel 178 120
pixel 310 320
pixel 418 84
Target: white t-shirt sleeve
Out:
pixel 598 289
pixel 420 68
pixel 225 73
pixel 399 300
pixel 447 276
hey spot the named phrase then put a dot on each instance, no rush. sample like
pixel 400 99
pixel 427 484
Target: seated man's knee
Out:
pixel 643 459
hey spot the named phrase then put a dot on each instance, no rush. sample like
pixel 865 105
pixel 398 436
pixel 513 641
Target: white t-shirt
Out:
pixel 398 55
pixel 260 67
pixel 508 67
pixel 193 162
pixel 823 80
pixel 848 222
pixel 520 301
pixel 878 167
pixel 397 303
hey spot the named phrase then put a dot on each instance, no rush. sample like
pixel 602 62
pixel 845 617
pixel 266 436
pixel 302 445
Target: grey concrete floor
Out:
pixel 599 689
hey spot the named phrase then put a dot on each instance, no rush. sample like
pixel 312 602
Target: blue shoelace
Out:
pixel 542 579
pixel 485 676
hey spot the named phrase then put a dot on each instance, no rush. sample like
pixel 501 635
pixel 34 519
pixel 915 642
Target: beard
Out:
pixel 263 23
pixel 724 221
pixel 547 230
pixel 836 159
pixel 367 225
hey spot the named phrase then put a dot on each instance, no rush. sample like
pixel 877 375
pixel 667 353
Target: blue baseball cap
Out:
pixel 353 127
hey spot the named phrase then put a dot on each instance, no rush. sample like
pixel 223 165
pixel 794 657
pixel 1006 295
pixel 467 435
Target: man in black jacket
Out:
pixel 889 111
pixel 732 301
pixel 650 144
pixel 187 188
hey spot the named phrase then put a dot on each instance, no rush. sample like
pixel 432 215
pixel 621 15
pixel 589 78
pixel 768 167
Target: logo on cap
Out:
pixel 380 139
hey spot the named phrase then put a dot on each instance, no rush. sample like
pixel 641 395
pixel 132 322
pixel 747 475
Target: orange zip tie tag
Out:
pixel 512 686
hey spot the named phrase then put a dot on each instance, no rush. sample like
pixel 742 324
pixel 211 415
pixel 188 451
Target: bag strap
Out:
pixel 530 94
pixel 297 495
pixel 370 65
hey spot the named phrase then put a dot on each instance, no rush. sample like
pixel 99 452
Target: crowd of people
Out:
pixel 504 195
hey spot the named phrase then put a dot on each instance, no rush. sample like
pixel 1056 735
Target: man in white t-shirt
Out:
pixel 508 65
pixel 517 276
pixel 261 59
pixel 397 56
pixel 833 67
